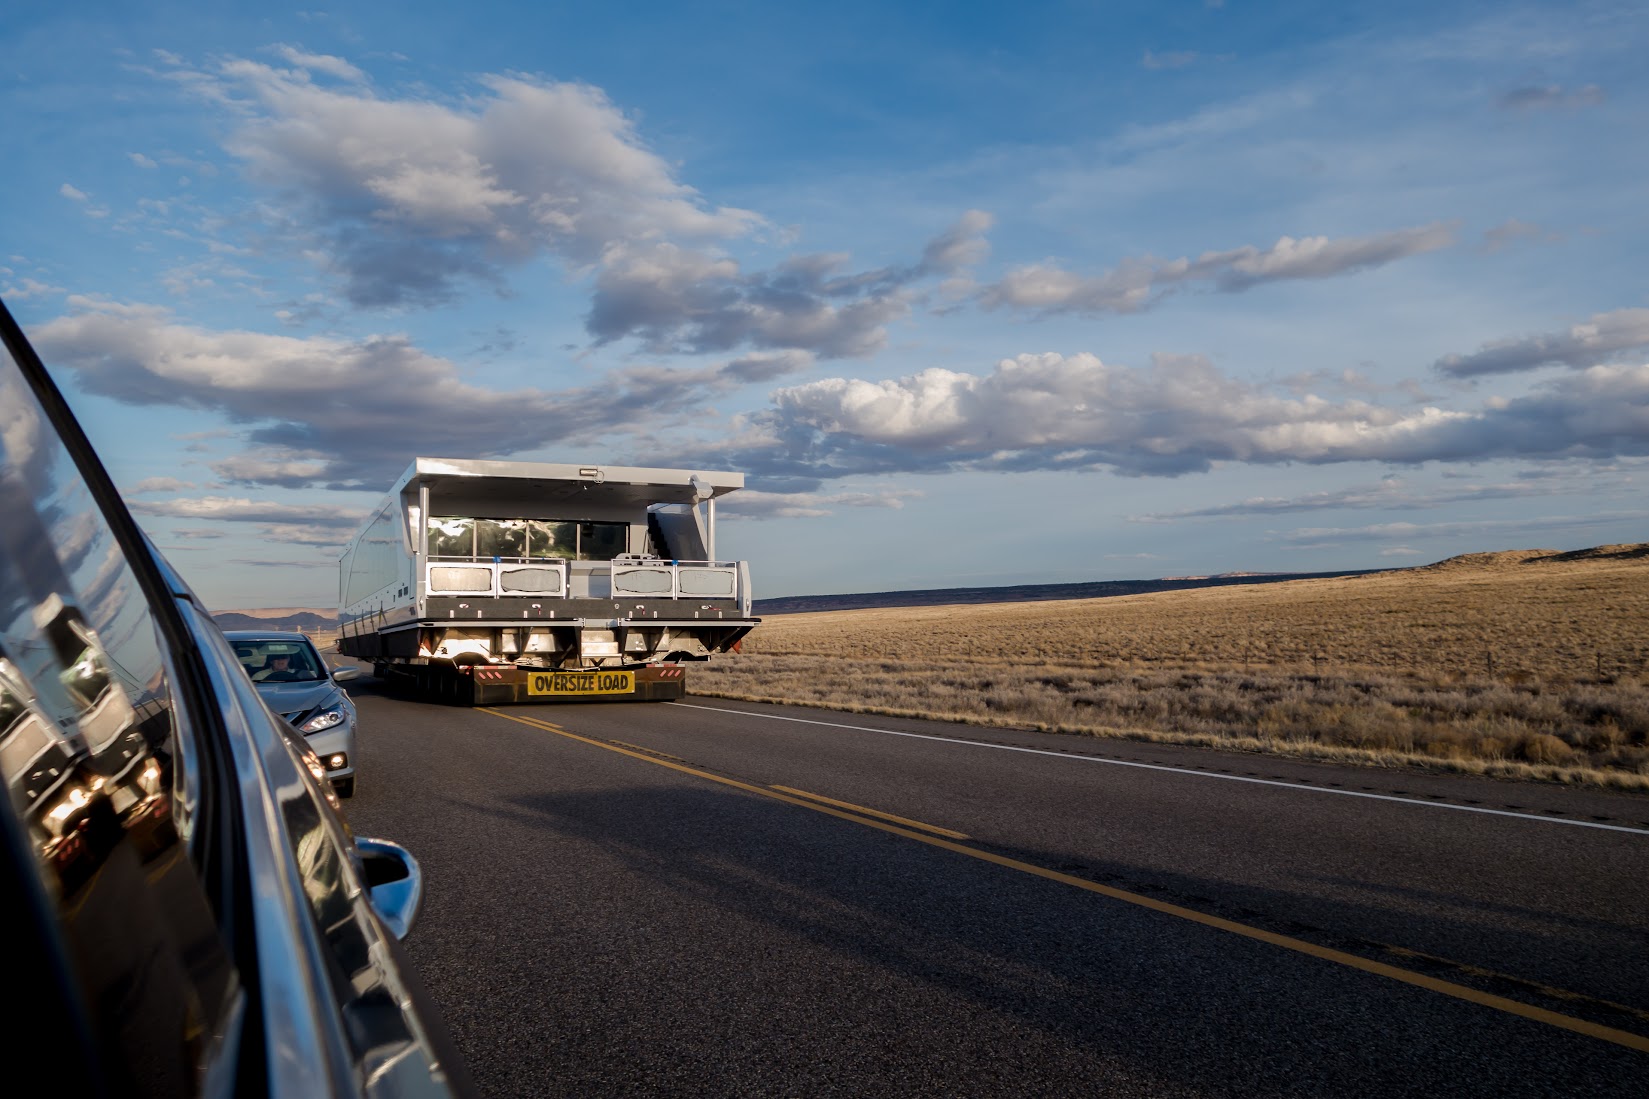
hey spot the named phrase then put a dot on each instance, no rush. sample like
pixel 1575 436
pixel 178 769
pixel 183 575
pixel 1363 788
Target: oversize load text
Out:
pixel 581 683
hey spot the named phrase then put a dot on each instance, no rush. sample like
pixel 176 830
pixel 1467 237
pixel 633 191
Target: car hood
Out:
pixel 299 697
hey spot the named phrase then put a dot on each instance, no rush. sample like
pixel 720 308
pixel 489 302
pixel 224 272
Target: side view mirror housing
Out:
pixel 394 883
pixel 344 675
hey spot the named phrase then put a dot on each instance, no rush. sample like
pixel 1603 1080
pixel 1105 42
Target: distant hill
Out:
pixel 1028 593
pixel 1506 559
pixel 305 621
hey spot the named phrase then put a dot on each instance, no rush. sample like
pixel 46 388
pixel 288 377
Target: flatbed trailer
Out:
pixel 480 582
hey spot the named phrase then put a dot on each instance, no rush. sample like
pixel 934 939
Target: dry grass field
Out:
pixel 1524 664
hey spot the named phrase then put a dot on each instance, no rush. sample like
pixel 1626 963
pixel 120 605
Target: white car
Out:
pixel 294 682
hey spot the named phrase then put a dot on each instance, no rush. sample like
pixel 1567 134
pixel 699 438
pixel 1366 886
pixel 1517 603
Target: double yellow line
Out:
pixel 946 839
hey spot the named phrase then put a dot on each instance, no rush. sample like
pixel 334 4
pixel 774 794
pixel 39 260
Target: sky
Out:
pixel 974 294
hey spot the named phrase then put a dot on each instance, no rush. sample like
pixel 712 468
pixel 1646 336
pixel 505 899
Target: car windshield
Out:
pixel 277 661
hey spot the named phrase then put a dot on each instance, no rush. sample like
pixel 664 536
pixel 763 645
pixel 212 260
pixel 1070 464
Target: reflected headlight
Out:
pixel 326 719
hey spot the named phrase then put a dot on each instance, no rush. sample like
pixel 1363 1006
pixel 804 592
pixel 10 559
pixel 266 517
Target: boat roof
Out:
pixel 478 479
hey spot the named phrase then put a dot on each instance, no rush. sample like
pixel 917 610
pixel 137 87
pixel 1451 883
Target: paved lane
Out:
pixel 597 923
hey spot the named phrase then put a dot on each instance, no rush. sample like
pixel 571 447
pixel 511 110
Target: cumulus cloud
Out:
pixel 1600 339
pixel 337 412
pixel 676 299
pixel 1540 97
pixel 409 196
pixel 1180 415
pixel 142 161
pixel 1138 283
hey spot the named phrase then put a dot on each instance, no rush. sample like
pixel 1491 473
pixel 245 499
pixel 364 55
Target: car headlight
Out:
pixel 326 719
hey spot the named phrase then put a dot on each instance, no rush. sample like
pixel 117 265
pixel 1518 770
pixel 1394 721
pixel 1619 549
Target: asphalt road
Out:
pixel 620 902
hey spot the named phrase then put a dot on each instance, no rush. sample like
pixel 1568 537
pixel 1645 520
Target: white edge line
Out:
pixel 1180 770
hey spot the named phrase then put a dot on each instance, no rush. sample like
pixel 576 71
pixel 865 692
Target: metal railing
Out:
pixel 498 577
pixel 632 575
pixel 636 575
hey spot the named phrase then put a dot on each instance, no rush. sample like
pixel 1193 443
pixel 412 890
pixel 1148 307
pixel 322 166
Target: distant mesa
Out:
pixel 1506 559
pixel 1029 593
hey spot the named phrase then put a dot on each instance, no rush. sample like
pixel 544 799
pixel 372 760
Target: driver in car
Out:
pixel 279 670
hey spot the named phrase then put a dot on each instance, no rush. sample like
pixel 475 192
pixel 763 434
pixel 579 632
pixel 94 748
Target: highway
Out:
pixel 723 898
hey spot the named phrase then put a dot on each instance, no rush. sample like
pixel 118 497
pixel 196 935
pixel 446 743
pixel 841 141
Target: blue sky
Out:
pixel 973 295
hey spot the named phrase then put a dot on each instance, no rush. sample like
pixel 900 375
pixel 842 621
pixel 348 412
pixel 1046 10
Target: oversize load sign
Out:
pixel 581 683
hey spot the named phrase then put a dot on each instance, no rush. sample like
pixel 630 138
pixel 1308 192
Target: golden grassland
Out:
pixel 1531 664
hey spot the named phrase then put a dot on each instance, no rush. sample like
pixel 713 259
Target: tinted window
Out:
pixel 602 541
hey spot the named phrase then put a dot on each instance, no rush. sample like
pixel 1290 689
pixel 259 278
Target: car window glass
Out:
pixel 279 660
pixel 96 768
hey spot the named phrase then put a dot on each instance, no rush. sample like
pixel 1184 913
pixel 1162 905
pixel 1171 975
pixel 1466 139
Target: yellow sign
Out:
pixel 581 683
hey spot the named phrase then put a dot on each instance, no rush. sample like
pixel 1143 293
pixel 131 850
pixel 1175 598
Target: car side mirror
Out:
pixel 394 884
pixel 344 675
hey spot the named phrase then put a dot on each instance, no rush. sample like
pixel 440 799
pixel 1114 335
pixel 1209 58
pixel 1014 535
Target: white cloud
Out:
pixel 320 62
pixel 411 196
pixel 679 300
pixel 1597 340
pixel 1511 231
pixel 1138 282
pixel 756 504
pixel 1539 97
pixel 159 484
pixel 1180 415
pixel 338 412
pixel 141 161
pixel 75 194
pixel 28 288
pixel 1391 494
pixel 1473 528
pixel 243 510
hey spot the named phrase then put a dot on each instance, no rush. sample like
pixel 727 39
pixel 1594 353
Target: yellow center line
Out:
pixel 934 828
pixel 648 751
pixel 1339 957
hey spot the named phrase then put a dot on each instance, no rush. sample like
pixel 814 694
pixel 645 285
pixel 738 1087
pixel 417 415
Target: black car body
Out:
pixel 185 910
